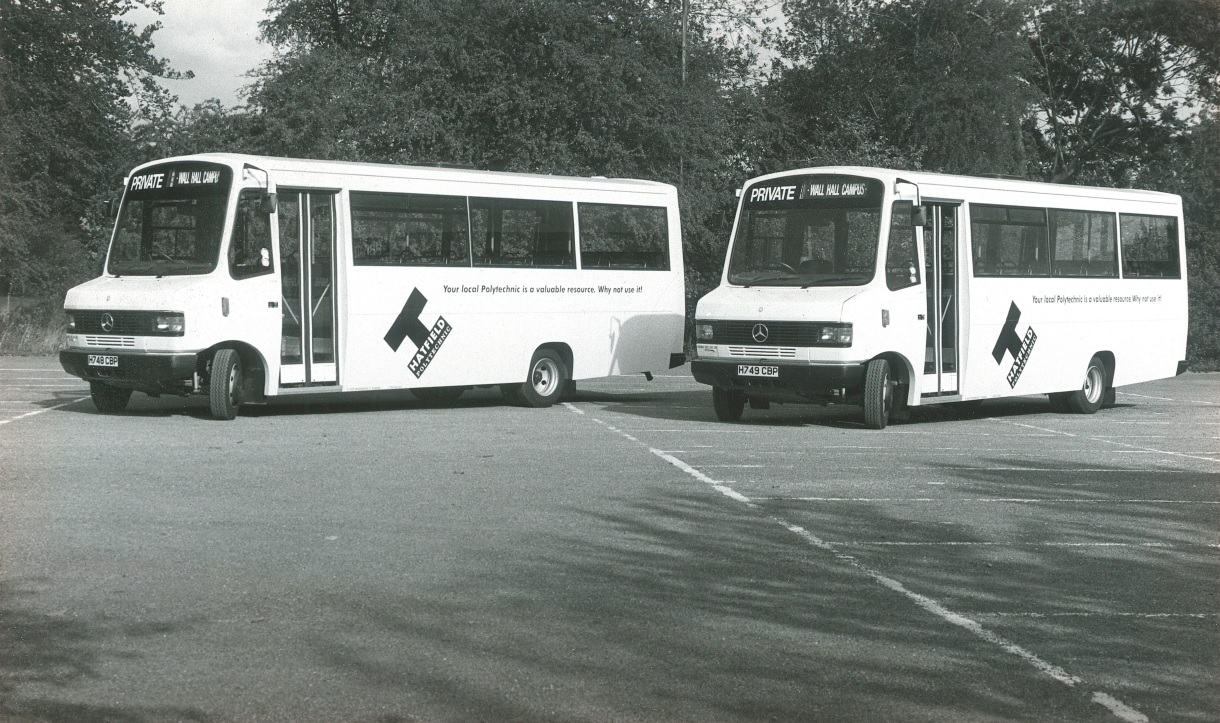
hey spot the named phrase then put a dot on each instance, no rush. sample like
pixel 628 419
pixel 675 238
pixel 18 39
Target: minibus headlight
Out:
pixel 703 331
pixel 71 324
pixel 170 324
pixel 836 335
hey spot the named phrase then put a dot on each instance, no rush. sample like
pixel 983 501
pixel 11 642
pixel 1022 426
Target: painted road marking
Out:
pixel 1110 441
pixel 997 500
pixel 1165 399
pixel 1115 706
pixel 40 411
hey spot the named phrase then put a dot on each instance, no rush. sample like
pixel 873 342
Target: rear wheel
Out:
pixel 548 378
pixel 225 383
pixel 728 404
pixel 878 394
pixel 109 399
pixel 1092 393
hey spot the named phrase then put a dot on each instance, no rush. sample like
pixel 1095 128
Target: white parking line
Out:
pixel 40 411
pixel 996 500
pixel 980 543
pixel 1109 441
pixel 1115 706
pixel 1166 399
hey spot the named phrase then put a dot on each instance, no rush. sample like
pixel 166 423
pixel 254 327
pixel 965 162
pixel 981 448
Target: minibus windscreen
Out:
pixel 808 231
pixel 171 220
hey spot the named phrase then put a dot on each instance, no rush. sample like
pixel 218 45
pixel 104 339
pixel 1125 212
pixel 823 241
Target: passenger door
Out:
pixel 308 352
pixel 941 358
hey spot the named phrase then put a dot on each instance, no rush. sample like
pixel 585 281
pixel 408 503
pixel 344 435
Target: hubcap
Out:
pixel 544 377
pixel 1092 385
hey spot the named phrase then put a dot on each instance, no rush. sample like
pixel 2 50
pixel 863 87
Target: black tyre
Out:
pixel 438 395
pixel 109 399
pixel 225 384
pixel 878 394
pixel 1088 399
pixel 547 380
pixel 728 405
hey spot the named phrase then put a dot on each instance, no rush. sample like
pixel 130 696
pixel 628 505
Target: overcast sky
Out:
pixel 218 39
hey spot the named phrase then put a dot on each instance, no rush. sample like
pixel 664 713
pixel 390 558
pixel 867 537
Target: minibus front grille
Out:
pixel 763 352
pixel 110 341
pixel 121 323
pixel 775 334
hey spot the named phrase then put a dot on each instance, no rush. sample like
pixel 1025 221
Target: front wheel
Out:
pixel 225 383
pixel 109 399
pixel 878 394
pixel 548 378
pixel 728 404
pixel 1088 399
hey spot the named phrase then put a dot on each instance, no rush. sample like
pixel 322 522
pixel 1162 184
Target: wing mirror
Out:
pixel 267 203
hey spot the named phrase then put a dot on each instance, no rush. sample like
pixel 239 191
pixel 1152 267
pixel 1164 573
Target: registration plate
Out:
pixel 103 360
pixel 752 370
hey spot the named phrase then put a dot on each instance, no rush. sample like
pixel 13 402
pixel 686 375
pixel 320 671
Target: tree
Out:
pixel 69 70
pixel 932 83
pixel 1120 81
pixel 586 87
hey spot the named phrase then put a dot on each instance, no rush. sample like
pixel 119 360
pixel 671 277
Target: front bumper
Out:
pixel 152 373
pixel 796 382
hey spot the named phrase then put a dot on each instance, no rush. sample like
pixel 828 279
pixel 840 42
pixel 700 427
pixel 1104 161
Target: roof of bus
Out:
pixel 388 170
pixel 945 180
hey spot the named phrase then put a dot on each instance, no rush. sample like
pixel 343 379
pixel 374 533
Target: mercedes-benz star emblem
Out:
pixel 760 333
pixel 107 322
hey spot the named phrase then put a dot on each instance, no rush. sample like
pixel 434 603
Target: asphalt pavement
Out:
pixel 620 557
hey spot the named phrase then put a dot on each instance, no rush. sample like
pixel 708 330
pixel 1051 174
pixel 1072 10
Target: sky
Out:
pixel 217 39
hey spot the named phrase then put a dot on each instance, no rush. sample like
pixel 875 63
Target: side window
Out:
pixel 623 237
pixel 901 256
pixel 250 248
pixel 399 229
pixel 1150 246
pixel 515 233
pixel 1083 244
pixel 1009 241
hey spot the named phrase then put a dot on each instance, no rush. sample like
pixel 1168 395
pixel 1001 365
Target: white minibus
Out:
pixel 895 289
pixel 242 278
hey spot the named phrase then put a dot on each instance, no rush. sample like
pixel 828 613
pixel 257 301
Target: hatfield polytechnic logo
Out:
pixel 1009 341
pixel 427 342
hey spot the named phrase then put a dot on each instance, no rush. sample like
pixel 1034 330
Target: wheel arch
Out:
pixel 563 350
pixel 1108 361
pixel 903 373
pixel 254 366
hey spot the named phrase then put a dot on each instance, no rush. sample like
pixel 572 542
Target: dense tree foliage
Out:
pixel 1112 92
pixel 74 81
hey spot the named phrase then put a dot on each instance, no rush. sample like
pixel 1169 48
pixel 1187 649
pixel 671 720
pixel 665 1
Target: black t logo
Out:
pixel 408 323
pixel 1013 343
pixel 427 341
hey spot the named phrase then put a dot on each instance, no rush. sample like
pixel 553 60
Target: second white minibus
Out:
pixel 895 289
pixel 243 277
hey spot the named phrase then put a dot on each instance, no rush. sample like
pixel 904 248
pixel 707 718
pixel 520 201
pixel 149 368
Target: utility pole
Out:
pixel 685 31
